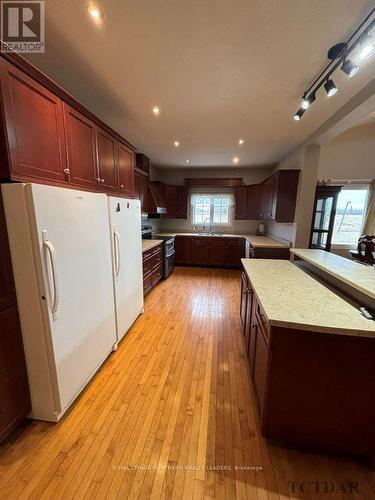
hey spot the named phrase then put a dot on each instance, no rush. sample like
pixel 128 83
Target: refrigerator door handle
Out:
pixel 52 255
pixel 116 236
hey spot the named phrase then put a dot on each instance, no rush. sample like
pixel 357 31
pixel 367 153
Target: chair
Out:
pixel 366 250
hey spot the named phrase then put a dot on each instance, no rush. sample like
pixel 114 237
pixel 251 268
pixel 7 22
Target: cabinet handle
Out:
pixel 122 186
pixel 102 180
pixel 99 179
pixel 66 171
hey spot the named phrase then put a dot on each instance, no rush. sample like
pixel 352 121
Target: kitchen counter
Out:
pixel 148 244
pixel 356 275
pixel 293 299
pixel 255 240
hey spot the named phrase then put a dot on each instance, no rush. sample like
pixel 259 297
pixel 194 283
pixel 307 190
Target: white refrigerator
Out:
pixel 125 223
pixel 61 253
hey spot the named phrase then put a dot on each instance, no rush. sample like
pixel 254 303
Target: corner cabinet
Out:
pixel 34 127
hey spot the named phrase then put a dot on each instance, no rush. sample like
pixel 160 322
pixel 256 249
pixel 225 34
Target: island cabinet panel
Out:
pixel 107 161
pixel 314 390
pixel 125 160
pixel 34 128
pixel 82 146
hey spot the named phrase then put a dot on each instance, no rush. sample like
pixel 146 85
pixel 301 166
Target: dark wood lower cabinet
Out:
pixel 14 388
pixel 152 268
pixel 314 390
pixel 212 251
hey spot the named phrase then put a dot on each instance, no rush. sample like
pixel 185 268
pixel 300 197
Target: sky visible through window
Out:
pixel 350 213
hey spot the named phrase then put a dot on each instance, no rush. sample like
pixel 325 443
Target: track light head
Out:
pixel 308 100
pixel 349 68
pixel 330 87
pixel 299 114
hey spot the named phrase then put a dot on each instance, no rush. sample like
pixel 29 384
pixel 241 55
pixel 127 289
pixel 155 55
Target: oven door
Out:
pixel 168 265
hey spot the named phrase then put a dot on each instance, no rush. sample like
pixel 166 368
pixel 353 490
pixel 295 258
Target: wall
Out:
pixel 351 155
pixel 177 176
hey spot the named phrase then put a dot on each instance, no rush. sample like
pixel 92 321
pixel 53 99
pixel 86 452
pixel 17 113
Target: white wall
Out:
pixel 351 155
pixel 177 176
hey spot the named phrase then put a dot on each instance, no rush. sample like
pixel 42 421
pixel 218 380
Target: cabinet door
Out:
pixel 184 250
pixel 7 290
pixel 243 304
pixel 34 125
pixel 201 249
pixel 81 149
pixel 219 254
pixel 254 193
pixel 125 159
pixel 107 164
pixel 181 202
pixel 141 190
pixel 241 207
pixel 170 194
pixel 260 365
pixel 14 388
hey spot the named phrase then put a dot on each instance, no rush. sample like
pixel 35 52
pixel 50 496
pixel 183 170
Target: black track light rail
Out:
pixel 332 66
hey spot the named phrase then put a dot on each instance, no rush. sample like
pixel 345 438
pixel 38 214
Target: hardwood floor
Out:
pixel 171 414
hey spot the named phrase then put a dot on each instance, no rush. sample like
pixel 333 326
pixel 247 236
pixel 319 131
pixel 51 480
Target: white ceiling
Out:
pixel 218 69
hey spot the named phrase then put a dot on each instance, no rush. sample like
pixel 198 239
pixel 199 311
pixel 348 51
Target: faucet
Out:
pixel 204 225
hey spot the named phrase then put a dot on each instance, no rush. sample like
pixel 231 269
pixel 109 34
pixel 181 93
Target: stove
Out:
pixel 168 247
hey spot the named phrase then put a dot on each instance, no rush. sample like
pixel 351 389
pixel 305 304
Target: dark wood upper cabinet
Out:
pixel 253 201
pixel 171 200
pixel 279 195
pixel 182 202
pixel 125 161
pixel 141 190
pixel 143 163
pixel 34 127
pixel 107 161
pixel 81 147
pixel 240 193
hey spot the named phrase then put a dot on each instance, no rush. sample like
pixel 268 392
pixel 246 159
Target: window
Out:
pixel 209 209
pixel 350 214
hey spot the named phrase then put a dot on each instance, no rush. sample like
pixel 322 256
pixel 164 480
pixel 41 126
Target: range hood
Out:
pixel 156 203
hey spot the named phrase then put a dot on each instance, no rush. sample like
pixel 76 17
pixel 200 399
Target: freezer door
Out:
pixel 125 220
pixel 72 240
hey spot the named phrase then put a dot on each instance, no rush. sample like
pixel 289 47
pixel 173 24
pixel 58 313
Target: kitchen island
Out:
pixel 311 359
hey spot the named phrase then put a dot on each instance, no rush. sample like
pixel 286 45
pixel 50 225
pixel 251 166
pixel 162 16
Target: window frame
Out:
pixel 212 195
pixel 352 187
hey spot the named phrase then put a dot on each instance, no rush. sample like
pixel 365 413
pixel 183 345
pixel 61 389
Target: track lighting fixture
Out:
pixel 299 114
pixel 330 87
pixel 367 47
pixel 349 68
pixel 308 100
pixel 338 55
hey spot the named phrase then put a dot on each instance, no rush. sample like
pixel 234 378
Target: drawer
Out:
pixel 153 251
pixel 147 284
pixel 156 275
pixel 262 321
pixel 152 262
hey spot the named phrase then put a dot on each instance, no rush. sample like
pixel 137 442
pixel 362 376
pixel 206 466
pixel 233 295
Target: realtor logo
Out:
pixel 22 27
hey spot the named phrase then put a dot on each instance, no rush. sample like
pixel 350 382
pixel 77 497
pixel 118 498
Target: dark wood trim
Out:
pixel 214 182
pixel 40 77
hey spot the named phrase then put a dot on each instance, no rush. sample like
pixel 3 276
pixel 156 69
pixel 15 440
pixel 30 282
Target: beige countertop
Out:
pixel 148 244
pixel 256 241
pixel 358 276
pixel 292 298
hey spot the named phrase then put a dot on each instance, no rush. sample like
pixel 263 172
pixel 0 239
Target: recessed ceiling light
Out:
pixel 95 12
pixel 236 159
pixel 240 142
pixel 176 143
pixel 187 161
pixel 156 110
